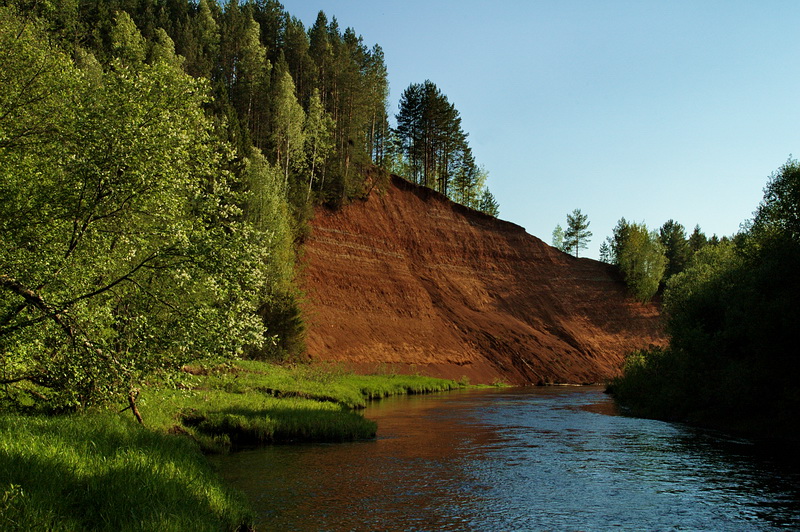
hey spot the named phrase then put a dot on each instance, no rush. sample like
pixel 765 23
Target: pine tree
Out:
pixel 488 204
pixel 577 234
pixel 605 252
pixel 697 240
pixel 430 131
pixel 207 38
pixel 676 248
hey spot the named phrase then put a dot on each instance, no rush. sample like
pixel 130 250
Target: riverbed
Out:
pixel 552 458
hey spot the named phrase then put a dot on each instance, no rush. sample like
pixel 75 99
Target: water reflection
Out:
pixel 521 459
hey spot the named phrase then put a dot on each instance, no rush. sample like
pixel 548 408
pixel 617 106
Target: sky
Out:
pixel 638 109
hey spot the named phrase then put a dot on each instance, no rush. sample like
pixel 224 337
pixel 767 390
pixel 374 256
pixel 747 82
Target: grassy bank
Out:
pixel 102 471
pixel 252 402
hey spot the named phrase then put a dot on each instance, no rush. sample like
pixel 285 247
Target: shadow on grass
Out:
pixel 73 474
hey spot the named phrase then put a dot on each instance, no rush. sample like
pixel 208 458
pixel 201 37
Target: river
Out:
pixel 554 458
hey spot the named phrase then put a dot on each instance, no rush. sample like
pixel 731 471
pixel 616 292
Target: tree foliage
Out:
pixel 435 150
pixel 158 163
pixel 558 238
pixel 577 234
pixel 672 236
pixel 732 317
pixel 122 249
pixel 640 257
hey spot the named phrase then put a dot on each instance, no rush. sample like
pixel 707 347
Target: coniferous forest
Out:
pixel 160 160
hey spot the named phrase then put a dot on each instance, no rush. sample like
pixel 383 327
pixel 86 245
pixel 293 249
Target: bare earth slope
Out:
pixel 413 282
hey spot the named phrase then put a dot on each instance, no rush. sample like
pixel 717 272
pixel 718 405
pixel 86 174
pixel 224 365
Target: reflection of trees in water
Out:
pixel 536 458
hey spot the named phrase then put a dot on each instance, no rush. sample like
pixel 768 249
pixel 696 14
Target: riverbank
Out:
pixel 738 399
pixel 101 470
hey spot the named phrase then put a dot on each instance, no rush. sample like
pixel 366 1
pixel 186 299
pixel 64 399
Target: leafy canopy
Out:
pixel 122 249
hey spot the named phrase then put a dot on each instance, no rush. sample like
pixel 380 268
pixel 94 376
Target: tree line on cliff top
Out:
pixel 159 160
pixel 646 259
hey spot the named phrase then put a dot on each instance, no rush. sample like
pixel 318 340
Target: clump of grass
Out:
pixel 100 471
pixel 252 402
pixel 379 386
pixel 219 419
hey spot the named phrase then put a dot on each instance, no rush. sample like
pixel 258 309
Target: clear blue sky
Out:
pixel 642 109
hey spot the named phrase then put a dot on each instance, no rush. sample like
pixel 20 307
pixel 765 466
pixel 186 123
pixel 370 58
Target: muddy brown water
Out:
pixel 553 458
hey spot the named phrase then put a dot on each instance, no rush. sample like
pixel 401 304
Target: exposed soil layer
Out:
pixel 409 281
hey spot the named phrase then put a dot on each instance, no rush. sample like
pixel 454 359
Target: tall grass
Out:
pixel 102 472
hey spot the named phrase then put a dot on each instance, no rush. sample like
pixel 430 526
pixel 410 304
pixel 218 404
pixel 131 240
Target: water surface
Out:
pixel 518 459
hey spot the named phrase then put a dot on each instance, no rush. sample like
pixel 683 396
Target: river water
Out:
pixel 554 458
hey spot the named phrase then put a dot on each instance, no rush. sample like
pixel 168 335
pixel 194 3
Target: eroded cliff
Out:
pixel 410 281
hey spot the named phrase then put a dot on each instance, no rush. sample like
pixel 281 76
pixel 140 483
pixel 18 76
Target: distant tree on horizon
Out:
pixel 558 238
pixel 577 234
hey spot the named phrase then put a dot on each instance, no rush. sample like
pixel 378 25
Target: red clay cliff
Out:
pixel 412 282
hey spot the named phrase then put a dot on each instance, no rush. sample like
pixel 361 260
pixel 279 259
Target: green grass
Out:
pixel 251 402
pixel 102 471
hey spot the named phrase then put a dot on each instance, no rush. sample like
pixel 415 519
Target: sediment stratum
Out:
pixel 408 281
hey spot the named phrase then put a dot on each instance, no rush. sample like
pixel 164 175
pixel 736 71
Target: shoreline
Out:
pixel 101 470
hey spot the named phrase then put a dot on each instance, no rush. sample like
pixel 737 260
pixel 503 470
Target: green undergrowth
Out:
pixel 102 471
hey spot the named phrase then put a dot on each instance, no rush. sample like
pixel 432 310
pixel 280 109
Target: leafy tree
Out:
pixel 268 210
pixel 577 234
pixel 558 238
pixel 121 250
pixel 318 132
pixel 641 261
pixel 778 214
pixel 287 125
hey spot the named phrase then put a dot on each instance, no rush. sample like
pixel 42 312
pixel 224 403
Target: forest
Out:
pixel 731 315
pixel 160 160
